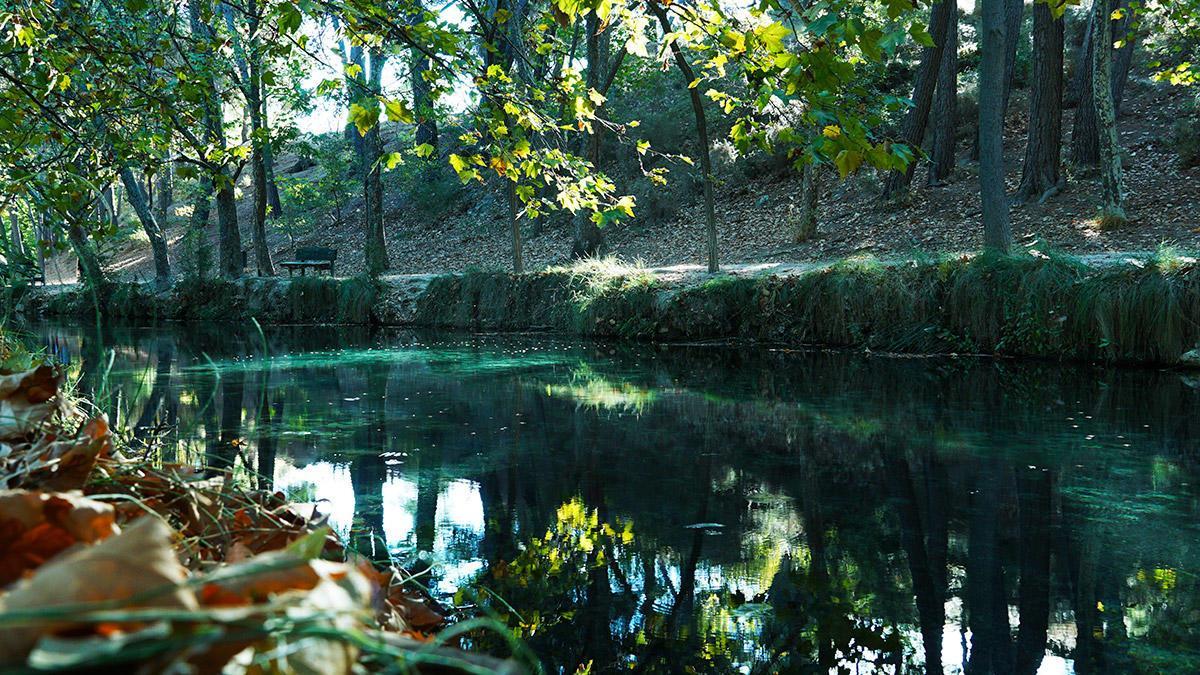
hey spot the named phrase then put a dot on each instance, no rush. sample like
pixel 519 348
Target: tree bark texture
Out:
pixel 913 132
pixel 158 242
pixel 997 231
pixel 1106 117
pixel 945 108
pixel 1041 171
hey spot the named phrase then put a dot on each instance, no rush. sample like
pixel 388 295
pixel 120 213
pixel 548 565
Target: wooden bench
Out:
pixel 316 257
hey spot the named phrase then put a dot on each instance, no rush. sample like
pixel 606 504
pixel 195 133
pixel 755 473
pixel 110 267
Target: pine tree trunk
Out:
pixel 1040 173
pixel 158 242
pixel 997 232
pixel 229 236
pixel 945 108
pixel 917 119
pixel 1014 15
pixel 1085 136
pixel 1106 120
pixel 1081 73
pixel 268 155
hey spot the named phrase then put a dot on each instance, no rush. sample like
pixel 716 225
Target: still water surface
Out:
pixel 711 509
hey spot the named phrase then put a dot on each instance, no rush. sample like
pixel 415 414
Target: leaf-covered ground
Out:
pixel 753 215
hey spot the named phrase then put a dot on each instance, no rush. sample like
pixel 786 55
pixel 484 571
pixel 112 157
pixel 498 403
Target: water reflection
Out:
pixel 711 509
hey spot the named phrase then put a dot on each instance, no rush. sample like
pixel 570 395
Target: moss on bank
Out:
pixel 1027 305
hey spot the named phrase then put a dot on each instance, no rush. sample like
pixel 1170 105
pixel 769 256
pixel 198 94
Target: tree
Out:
pixel 1113 192
pixel 945 107
pixel 689 76
pixel 917 119
pixel 248 52
pixel 158 242
pixel 1040 174
pixel 997 231
pixel 1087 132
pixel 810 195
pixel 364 78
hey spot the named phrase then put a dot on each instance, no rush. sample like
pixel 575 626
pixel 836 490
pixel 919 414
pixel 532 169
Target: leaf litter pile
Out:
pixel 106 561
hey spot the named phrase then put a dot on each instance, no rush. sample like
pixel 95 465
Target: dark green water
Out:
pixel 705 509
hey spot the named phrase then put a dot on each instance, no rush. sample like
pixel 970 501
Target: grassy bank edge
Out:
pixel 1030 305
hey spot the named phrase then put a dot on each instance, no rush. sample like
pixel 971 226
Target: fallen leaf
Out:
pixel 137 567
pixel 36 526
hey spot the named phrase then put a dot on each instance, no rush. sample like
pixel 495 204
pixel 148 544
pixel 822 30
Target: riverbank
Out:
pixel 1143 309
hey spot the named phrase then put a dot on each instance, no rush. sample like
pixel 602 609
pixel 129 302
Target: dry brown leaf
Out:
pixel 69 462
pixel 138 565
pixel 36 526
pixel 335 595
pixel 26 400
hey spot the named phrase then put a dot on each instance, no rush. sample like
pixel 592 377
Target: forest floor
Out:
pixel 1163 207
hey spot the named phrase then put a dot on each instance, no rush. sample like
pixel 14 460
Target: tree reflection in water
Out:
pixel 712 509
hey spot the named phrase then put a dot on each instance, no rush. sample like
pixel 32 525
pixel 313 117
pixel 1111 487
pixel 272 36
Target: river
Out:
pixel 708 508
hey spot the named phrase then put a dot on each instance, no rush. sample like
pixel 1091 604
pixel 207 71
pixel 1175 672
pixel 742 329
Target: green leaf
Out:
pixel 397 111
pixel 363 118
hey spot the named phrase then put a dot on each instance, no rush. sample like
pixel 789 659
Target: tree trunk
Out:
pixel 427 128
pixel 1040 173
pixel 230 242
pixel 158 242
pixel 370 150
pixel 913 132
pixel 42 238
pixel 258 167
pixel 198 245
pixel 108 195
pixel 164 193
pixel 806 225
pixel 1081 71
pixel 945 108
pixel 249 62
pixel 1014 15
pixel 588 241
pixel 1123 59
pixel 89 260
pixel 515 224
pixel 685 69
pixel 14 231
pixel 261 160
pixel 1085 137
pixel 997 232
pixel 1106 120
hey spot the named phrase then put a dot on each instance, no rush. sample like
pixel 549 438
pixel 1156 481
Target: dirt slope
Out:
pixel 1164 204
